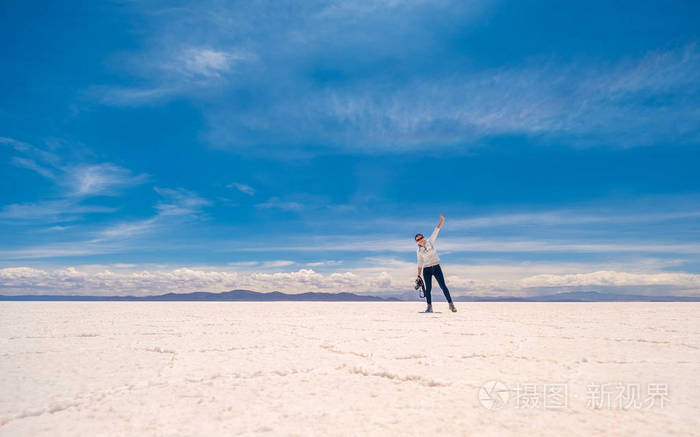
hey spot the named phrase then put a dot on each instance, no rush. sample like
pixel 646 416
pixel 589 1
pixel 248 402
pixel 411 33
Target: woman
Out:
pixel 429 264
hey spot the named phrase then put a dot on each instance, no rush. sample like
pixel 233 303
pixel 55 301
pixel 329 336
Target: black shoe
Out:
pixel 452 308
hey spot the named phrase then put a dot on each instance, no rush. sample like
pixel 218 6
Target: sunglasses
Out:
pixel 417 240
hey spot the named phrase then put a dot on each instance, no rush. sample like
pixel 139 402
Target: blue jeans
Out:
pixel 428 273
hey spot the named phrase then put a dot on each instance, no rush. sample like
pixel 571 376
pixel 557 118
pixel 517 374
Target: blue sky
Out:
pixel 298 146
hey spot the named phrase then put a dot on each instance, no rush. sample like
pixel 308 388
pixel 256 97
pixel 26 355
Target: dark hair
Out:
pixel 418 235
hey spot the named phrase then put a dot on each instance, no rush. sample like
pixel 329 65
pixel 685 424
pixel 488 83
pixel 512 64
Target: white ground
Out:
pixel 127 368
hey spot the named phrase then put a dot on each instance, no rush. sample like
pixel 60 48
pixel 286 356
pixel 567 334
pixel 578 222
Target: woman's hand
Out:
pixel 442 220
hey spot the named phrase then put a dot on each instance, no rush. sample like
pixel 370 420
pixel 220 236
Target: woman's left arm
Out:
pixel 434 235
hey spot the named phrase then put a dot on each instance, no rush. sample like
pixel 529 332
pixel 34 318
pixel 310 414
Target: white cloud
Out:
pixel 613 278
pixel 72 280
pixel 129 229
pixel 576 100
pixel 48 211
pixel 30 151
pixel 566 218
pixel 383 281
pixel 32 165
pixel 179 202
pixel 271 53
pixel 324 263
pixel 29 280
pixel 575 104
pixel 345 8
pixel 275 202
pixel 78 181
pixel 279 263
pixel 59 250
pixel 177 206
pixel 656 71
pixel 183 70
pixel 243 263
pixel 457 244
pixel 124 96
pixel 304 280
pixel 98 179
pixel 207 62
pixel 243 188
pixel 56 229
pixel 180 207
pixel 380 276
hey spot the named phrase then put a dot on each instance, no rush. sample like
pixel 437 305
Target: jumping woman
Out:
pixel 429 264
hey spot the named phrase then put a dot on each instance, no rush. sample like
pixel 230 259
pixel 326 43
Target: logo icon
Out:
pixel 493 395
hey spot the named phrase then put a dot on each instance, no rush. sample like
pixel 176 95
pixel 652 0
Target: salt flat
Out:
pixel 292 368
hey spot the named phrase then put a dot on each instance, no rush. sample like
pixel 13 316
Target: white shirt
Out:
pixel 427 254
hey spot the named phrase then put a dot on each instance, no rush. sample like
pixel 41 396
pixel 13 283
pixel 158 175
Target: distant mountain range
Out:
pixel 582 296
pixel 254 296
pixel 233 295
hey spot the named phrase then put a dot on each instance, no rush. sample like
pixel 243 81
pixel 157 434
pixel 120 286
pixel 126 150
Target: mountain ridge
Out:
pixel 232 295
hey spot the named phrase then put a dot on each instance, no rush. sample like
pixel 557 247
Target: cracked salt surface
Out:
pixel 332 368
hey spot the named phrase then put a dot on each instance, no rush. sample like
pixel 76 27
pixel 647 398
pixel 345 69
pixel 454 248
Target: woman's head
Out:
pixel 420 239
